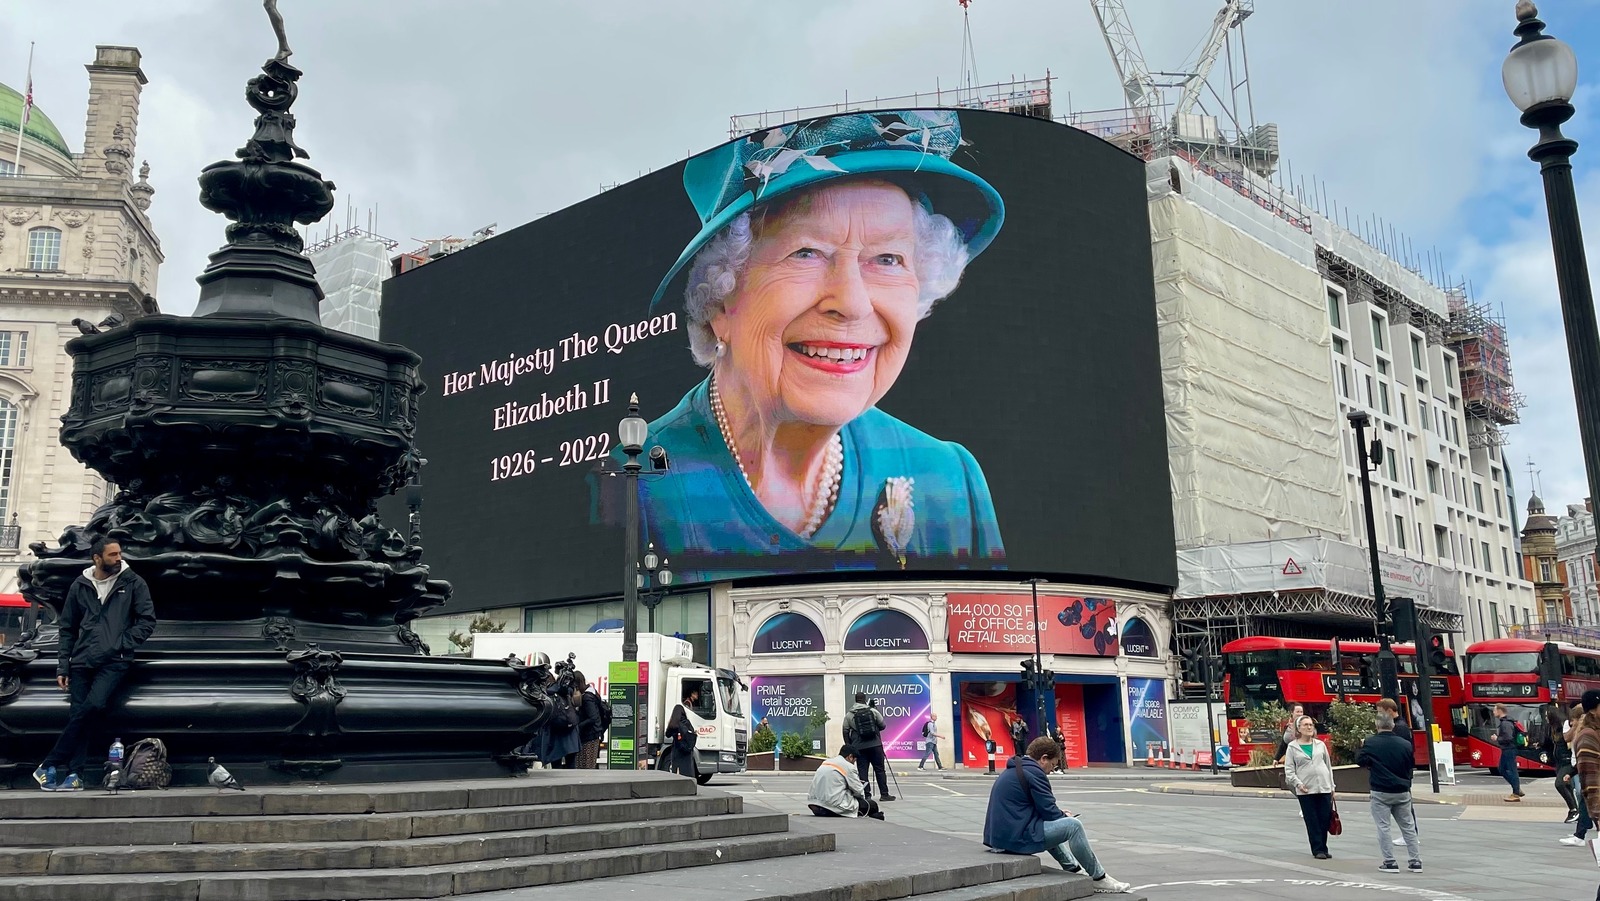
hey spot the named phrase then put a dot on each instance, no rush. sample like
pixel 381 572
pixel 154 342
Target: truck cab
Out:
pixel 719 717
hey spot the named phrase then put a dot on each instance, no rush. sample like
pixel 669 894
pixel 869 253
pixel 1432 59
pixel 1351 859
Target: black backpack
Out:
pixel 604 707
pixel 866 725
pixel 146 765
pixel 927 728
pixel 564 716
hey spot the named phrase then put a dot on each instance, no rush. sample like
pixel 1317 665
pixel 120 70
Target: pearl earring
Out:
pixel 722 349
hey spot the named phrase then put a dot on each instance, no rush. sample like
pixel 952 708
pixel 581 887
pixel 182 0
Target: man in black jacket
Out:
pixel 1389 760
pixel 108 614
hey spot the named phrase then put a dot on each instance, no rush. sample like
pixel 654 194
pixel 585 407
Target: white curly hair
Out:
pixel 940 258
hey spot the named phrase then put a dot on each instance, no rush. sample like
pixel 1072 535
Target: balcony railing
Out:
pixel 11 535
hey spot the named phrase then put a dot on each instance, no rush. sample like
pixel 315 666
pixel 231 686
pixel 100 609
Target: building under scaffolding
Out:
pixel 351 267
pixel 1488 396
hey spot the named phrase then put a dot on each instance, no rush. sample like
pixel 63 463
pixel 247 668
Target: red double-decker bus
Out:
pixel 1294 671
pixel 1519 672
pixel 13 616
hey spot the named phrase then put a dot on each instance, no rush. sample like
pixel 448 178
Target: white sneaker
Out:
pixel 1573 840
pixel 1399 842
pixel 1109 886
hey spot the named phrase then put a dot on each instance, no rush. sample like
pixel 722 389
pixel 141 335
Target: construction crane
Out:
pixel 1233 13
pixel 1144 101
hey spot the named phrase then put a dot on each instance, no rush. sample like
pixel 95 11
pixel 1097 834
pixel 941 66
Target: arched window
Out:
pixel 9 414
pixel 44 248
pixel 133 265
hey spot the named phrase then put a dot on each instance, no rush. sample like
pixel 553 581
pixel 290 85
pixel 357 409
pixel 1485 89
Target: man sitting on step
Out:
pixel 1023 817
pixel 837 791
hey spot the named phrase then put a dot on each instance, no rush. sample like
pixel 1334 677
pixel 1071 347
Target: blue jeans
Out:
pixel 1585 821
pixel 1508 769
pixel 1067 832
pixel 930 747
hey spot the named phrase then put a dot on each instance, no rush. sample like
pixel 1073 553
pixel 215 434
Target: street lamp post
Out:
pixel 1038 663
pixel 654 579
pixel 1388 664
pixel 1541 75
pixel 632 432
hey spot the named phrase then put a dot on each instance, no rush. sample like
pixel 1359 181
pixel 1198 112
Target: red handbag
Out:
pixel 1335 827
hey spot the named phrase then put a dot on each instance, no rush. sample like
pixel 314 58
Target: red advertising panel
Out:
pixel 1069 715
pixel 1003 624
pixel 987 711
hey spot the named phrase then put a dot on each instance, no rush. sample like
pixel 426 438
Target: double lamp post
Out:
pixel 652 574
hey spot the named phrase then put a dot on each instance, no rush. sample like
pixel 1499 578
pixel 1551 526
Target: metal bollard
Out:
pixel 990 746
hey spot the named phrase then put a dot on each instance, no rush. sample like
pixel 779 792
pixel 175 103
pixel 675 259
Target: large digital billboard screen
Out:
pixel 920 341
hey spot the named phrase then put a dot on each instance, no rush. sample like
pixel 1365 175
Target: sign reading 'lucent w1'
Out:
pixel 1004 624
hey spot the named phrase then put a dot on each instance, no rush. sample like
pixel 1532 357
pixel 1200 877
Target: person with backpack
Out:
pixel 560 741
pixel 108 614
pixel 864 731
pixel 930 742
pixel 681 737
pixel 594 718
pixel 1509 735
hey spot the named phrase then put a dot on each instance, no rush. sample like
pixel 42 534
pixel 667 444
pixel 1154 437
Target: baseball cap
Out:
pixel 1591 700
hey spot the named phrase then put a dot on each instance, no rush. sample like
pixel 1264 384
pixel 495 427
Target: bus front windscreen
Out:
pixel 1253 677
pixel 1518 662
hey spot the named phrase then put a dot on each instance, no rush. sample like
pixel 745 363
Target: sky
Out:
pixel 437 119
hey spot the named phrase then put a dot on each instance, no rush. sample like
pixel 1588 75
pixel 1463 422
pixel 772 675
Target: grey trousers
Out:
pixel 1397 805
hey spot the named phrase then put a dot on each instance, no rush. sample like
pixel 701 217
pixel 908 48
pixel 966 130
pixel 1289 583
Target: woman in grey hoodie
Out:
pixel 1308 770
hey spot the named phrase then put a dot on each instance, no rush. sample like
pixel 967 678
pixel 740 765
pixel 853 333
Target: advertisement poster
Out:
pixel 987 711
pixel 1147 714
pixel 1003 624
pixel 623 693
pixel 905 702
pixel 1186 727
pixel 787 703
pixel 1137 639
pixel 885 630
pixel 787 633
pixel 1070 720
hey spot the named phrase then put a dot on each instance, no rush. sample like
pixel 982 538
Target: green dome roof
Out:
pixel 40 128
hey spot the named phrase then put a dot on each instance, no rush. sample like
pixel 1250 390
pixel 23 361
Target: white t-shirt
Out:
pixel 102 587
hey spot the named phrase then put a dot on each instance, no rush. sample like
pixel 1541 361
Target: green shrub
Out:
pixel 1349 724
pixel 1268 717
pixel 795 746
pixel 764 740
pixel 1259 757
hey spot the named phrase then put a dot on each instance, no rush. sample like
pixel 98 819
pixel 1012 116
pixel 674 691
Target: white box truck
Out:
pixel 720 716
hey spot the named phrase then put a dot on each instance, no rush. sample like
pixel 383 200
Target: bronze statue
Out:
pixel 277 28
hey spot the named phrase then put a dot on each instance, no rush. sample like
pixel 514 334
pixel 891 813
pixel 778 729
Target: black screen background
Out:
pixel 1043 363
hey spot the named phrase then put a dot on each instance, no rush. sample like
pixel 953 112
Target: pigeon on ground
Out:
pixel 111 321
pixel 220 777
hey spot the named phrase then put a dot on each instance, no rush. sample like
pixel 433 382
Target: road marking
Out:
pixel 1413 891
pixel 950 790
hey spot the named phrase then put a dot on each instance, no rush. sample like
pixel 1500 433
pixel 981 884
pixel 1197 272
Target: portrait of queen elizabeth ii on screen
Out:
pixel 823 246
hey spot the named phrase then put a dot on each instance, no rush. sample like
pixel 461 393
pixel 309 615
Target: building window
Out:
pixel 1422 415
pixel 1335 309
pixel 1477 496
pixel 1400 531
pixel 7 167
pixel 1377 332
pixel 1499 510
pixel 1344 380
pixel 1383 367
pixel 1449 371
pixel 1416 352
pixel 1433 478
pixel 1488 561
pixel 1369 389
pixel 1494 618
pixel 1391 466
pixel 1421 546
pixel 1441 542
pixel 133 265
pixel 1383 397
pixel 13 349
pixel 8 455
pixel 44 249
pixel 1546 571
pixel 1338 346
pixel 1505 558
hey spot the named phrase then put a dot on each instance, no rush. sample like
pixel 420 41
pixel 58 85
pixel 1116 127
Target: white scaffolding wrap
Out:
pixel 1303 564
pixel 351 272
pixel 1251 430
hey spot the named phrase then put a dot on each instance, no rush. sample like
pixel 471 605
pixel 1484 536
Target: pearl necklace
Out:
pixel 826 492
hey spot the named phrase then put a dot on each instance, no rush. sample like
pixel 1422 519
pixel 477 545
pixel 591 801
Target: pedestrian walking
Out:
pixel 1575 736
pixel 930 742
pixel 108 614
pixel 681 738
pixel 1506 733
pixel 1562 721
pixel 837 790
pixel 1023 817
pixel 1308 770
pixel 1586 750
pixel 1389 760
pixel 591 725
pixel 1019 737
pixel 864 731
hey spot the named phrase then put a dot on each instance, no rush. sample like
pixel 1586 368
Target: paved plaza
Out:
pixel 1200 840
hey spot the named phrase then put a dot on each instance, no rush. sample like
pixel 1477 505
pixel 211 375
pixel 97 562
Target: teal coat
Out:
pixel 706 521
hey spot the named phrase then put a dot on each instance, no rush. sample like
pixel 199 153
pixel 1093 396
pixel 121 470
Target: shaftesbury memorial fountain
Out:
pixel 249 446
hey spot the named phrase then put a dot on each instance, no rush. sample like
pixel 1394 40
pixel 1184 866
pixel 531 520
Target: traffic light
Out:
pixel 1438 660
pixel 1368 679
pixel 1030 675
pixel 1403 611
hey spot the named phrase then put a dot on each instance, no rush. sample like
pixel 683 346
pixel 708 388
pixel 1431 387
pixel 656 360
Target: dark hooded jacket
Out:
pixel 1020 803
pixel 93 634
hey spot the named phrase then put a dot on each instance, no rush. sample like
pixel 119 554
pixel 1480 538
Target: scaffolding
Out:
pixel 351 267
pixel 1023 97
pixel 1478 336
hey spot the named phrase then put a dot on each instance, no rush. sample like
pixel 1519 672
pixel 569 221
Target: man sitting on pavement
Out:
pixel 836 790
pixel 1023 817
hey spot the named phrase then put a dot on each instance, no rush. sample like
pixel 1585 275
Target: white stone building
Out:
pixel 75 243
pixel 1575 553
